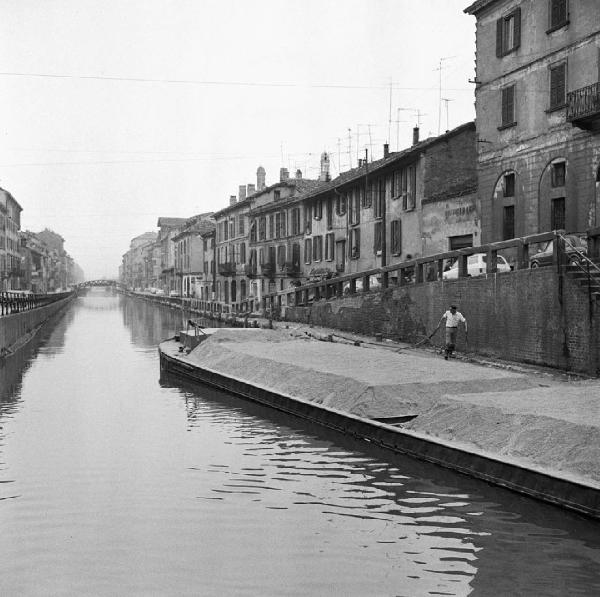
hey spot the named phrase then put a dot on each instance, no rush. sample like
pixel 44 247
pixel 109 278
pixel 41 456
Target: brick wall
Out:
pixel 521 316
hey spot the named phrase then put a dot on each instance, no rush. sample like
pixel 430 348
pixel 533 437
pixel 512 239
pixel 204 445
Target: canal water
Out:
pixel 113 483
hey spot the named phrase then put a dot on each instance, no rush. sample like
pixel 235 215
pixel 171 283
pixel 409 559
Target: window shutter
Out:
pixel 499 45
pixel 517 14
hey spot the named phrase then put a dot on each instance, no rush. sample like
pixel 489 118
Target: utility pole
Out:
pixel 349 148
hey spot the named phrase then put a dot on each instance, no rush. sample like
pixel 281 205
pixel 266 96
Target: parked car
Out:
pixel 574 245
pixel 173 293
pixel 476 266
pixel 160 292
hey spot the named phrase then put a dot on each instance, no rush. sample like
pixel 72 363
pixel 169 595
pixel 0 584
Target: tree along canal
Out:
pixel 111 484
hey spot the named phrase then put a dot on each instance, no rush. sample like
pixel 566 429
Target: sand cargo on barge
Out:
pixel 396 400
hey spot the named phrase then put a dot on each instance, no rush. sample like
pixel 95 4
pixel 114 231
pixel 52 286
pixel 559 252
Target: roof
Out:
pixel 199 227
pixel 300 184
pixel 171 222
pixel 393 158
pixel 477 6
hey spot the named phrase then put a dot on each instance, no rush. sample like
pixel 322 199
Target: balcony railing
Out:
pixel 250 269
pixel 267 269
pixel 290 268
pixel 583 106
pixel 227 269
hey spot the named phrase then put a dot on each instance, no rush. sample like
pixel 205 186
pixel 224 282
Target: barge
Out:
pixel 386 432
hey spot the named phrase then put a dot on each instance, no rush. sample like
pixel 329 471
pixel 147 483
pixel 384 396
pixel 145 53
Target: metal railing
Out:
pixel 18 302
pixel 414 271
pixel 583 102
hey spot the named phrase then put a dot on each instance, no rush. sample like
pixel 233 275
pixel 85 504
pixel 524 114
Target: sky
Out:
pixel 115 113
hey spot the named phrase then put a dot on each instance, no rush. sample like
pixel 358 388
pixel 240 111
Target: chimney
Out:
pixel 360 162
pixel 283 174
pixel 415 135
pixel 324 176
pixel 242 192
pixel 298 173
pixel 386 150
pixel 232 199
pixel 260 178
pixel 250 189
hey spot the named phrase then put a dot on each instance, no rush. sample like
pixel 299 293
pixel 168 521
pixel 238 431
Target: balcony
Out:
pixel 250 269
pixel 290 268
pixel 227 269
pixel 268 269
pixel 583 107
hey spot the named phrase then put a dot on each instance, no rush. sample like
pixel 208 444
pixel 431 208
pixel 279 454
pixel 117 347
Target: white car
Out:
pixel 476 266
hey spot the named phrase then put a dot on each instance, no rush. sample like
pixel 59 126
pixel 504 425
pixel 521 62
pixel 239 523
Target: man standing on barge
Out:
pixel 453 318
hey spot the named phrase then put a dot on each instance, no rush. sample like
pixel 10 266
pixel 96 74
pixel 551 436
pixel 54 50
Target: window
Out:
pixel 329 246
pixel 355 207
pixel 559 16
pixel 283 224
pixel 411 195
pixel 460 242
pixel 318 209
pixel 271 227
pixel 296 255
pixel 355 243
pixel 262 228
pixel 280 255
pixel 261 256
pixel 329 213
pixel 232 228
pixel 508 106
pixel 295 221
pixel 317 248
pixel 366 195
pixel 509 185
pixel 272 255
pixel 307 250
pixel 341 205
pixel 241 225
pixel 508 222
pixel 396 232
pixel 557 214
pixel 276 195
pixel 377 238
pixel 242 253
pixel 225 230
pixel 508 33
pixel 558 79
pixel 379 190
pixel 308 219
pixel 558 175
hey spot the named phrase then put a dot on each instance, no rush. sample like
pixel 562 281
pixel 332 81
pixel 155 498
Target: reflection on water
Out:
pixel 111 484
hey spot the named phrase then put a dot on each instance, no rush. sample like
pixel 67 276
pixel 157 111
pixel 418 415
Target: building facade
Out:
pixel 11 269
pixel 537 100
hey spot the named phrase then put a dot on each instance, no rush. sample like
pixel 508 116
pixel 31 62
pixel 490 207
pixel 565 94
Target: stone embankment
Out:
pixel 534 419
pixel 16 329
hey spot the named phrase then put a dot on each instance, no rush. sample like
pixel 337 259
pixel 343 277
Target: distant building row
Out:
pixel 530 163
pixel 32 261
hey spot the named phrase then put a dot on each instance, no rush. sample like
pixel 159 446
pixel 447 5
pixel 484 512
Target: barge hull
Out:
pixel 540 485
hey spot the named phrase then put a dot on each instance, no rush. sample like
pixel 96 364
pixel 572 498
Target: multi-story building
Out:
pixel 36 257
pixel 231 248
pixel 11 270
pixel 412 203
pixel 57 270
pixel 167 229
pixel 138 269
pixel 276 235
pixel 190 254
pixel 537 101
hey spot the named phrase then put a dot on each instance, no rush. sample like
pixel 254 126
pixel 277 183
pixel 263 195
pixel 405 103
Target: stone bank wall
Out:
pixel 18 327
pixel 535 316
